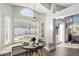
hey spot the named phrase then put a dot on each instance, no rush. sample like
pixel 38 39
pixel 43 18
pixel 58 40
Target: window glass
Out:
pixel 75 19
pixel 26 12
pixel 76 25
pixel 24 29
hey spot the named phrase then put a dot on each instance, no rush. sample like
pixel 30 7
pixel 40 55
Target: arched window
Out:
pixel 26 12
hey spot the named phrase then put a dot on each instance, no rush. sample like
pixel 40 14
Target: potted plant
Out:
pixel 33 40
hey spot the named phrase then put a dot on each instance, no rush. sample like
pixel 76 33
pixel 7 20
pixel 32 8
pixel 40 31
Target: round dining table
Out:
pixel 34 48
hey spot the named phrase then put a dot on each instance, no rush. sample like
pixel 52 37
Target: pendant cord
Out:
pixel 34 10
pixel 34 14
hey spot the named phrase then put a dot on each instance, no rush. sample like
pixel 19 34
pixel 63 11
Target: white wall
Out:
pixel 6 10
pixel 17 14
pixel 50 30
pixel 0 26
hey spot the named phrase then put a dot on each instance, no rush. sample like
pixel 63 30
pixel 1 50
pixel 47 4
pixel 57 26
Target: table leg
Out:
pixel 26 53
pixel 30 52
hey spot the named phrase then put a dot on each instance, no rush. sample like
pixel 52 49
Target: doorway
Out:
pixel 60 32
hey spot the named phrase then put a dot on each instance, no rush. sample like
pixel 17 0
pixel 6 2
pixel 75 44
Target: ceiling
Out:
pixel 38 7
pixel 41 8
pixel 65 4
pixel 70 11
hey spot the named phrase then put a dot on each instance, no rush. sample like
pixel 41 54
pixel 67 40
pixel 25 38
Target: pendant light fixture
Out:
pixel 34 18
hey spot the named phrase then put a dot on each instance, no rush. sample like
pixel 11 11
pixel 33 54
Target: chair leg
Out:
pixel 41 52
pixel 38 52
